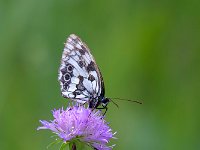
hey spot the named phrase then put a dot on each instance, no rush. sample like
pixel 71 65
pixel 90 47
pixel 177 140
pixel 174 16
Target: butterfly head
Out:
pixel 94 103
pixel 105 101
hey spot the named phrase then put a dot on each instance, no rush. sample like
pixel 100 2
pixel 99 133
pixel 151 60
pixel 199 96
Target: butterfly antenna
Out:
pixel 114 103
pixel 129 100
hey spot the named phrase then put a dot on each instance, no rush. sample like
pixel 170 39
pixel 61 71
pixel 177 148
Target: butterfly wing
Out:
pixel 79 76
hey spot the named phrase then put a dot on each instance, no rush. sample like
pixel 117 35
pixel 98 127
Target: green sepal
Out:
pixel 71 145
pixel 53 143
pixel 64 145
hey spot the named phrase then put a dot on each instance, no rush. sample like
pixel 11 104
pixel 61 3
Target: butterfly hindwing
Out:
pixel 79 76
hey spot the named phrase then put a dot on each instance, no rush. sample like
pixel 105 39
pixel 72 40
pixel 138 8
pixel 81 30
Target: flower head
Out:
pixel 80 123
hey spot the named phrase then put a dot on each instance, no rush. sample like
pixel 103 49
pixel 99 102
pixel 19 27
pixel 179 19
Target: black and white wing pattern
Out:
pixel 79 76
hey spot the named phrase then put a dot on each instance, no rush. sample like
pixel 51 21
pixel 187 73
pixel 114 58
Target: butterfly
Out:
pixel 79 76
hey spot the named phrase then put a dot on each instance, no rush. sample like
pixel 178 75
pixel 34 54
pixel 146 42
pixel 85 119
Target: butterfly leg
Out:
pixel 91 111
pixel 106 108
pixel 82 104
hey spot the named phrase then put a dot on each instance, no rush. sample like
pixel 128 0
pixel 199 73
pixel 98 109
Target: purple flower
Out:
pixel 80 123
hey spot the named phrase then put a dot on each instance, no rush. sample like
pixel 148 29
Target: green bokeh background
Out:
pixel 146 50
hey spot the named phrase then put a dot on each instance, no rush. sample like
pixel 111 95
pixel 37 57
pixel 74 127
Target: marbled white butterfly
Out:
pixel 79 75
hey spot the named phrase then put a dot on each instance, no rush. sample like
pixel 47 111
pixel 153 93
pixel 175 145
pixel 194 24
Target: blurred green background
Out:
pixel 146 50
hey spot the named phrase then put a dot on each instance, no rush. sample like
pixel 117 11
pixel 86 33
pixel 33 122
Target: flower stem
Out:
pixel 74 146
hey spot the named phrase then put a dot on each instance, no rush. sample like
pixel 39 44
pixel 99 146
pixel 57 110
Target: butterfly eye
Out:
pixel 67 77
pixel 69 68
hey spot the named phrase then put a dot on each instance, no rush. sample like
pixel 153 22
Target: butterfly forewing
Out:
pixel 79 76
